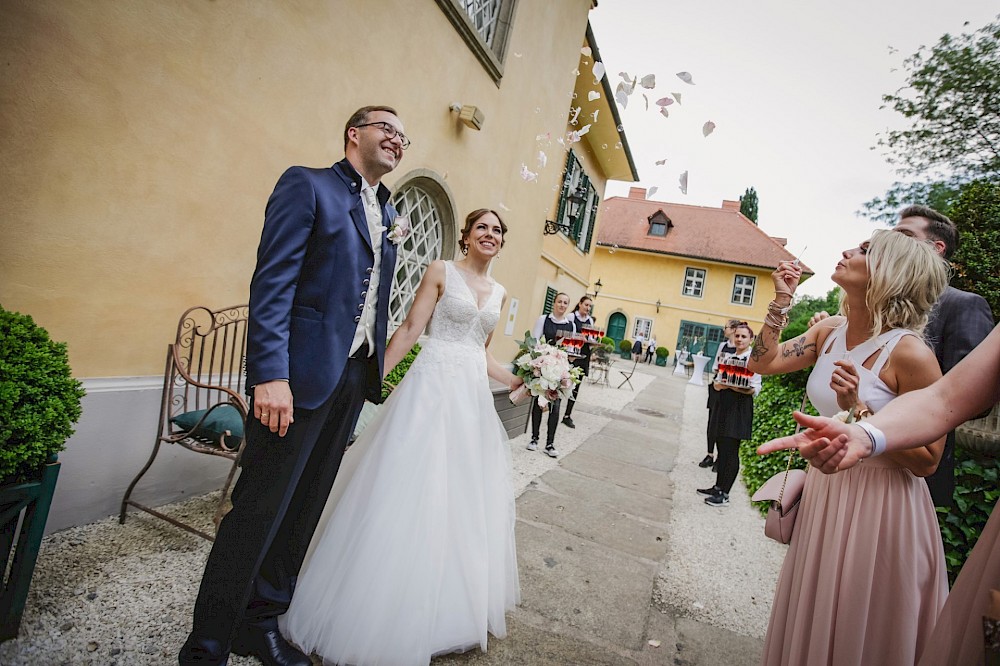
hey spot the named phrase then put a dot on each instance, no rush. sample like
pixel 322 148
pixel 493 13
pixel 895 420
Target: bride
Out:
pixel 415 555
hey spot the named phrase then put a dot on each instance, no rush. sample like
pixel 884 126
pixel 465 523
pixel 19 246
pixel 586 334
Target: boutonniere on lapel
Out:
pixel 399 230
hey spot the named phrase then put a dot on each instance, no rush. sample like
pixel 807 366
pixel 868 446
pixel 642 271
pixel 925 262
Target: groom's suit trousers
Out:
pixel 277 502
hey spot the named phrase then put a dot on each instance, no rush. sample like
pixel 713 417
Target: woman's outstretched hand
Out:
pixel 828 444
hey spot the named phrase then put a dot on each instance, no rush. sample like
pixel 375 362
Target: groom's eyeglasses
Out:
pixel 390 132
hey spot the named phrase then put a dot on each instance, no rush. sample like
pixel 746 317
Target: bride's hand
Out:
pixel 516 383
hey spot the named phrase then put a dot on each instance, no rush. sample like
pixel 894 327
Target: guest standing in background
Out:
pixel 552 327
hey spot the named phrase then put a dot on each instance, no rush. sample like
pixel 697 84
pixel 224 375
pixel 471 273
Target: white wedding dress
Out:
pixel 415 553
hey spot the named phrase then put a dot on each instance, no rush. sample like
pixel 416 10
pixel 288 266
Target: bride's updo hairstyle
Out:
pixel 471 219
pixel 906 277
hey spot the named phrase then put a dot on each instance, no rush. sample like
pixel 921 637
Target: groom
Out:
pixel 318 311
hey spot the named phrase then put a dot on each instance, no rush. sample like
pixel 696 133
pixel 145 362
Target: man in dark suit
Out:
pixel 318 314
pixel 959 321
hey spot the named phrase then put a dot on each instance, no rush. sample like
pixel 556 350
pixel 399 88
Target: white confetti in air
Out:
pixel 613 249
pixel 598 70
pixel 646 100
pixel 661 162
pixel 561 142
pixel 584 129
pixel 683 181
pixel 542 160
pixel 664 101
pixel 502 207
pixel 708 128
pixel 648 82
pixel 650 192
pixel 543 137
pixel 586 51
pixel 664 112
pixel 676 96
pixel 573 137
pixel 622 99
pixel 685 77
pixel 574 114
pixel 592 95
pixel 594 114
pixel 527 175
pixel 516 54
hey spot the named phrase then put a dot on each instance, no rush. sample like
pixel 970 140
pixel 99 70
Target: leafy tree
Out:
pixel 977 216
pixel 748 204
pixel 951 103
pixel 952 99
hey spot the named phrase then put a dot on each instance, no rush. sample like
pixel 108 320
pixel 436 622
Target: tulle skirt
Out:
pixel 415 553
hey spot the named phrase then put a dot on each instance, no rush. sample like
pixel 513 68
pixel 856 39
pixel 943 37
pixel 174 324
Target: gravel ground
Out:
pixel 720 567
pixel 106 594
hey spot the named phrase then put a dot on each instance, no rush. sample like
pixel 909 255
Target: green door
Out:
pixel 616 327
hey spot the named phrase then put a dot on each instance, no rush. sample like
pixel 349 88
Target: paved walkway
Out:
pixel 597 550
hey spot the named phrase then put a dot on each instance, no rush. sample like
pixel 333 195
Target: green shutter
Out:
pixel 550 299
pixel 567 178
pixel 593 222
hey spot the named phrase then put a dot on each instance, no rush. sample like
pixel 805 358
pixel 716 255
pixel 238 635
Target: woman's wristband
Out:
pixel 876 436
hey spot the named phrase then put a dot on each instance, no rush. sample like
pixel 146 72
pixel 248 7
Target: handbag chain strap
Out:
pixel 791 452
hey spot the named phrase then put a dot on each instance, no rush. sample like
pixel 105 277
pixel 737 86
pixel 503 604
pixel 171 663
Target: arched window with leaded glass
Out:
pixel 426 201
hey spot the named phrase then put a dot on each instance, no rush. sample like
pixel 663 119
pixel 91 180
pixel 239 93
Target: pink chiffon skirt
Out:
pixel 864 577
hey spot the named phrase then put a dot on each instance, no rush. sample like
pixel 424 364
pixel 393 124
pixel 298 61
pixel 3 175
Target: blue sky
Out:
pixel 794 90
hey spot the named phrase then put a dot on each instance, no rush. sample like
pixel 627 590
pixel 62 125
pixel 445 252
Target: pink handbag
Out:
pixel 784 490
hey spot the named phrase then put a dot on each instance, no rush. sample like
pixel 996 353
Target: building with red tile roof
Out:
pixel 678 272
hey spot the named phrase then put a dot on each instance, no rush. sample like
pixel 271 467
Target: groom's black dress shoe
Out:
pixel 271 648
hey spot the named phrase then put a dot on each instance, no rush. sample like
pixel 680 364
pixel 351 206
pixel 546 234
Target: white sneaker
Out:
pixel 551 452
pixel 533 445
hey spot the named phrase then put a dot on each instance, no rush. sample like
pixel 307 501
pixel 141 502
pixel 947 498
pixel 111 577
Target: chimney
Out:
pixel 638 193
pixel 730 205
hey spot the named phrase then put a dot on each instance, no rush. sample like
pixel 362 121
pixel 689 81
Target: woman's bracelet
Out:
pixel 777 322
pixel 876 436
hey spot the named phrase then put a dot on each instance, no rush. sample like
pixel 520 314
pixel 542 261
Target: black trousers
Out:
pixel 728 463
pixel 536 420
pixel 277 502
pixel 709 435
pixel 572 401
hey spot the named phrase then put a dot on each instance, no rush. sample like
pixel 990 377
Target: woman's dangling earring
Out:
pixel 465 249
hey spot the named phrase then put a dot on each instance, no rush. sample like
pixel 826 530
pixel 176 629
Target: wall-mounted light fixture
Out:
pixel 657 306
pixel 597 287
pixel 575 200
pixel 471 116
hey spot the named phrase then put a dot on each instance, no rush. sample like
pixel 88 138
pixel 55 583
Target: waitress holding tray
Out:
pixel 580 319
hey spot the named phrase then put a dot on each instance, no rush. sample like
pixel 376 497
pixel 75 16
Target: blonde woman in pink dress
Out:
pixel 864 577
pixel 968 389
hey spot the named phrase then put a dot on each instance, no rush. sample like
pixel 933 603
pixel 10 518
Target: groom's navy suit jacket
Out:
pixel 314 264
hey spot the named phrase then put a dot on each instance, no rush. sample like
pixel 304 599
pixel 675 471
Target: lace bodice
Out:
pixel 457 317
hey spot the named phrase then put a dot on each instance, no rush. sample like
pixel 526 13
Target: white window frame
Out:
pixel 697 288
pixel 643 326
pixel 743 294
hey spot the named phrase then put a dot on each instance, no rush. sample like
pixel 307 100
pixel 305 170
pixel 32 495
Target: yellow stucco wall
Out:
pixel 634 281
pixel 140 142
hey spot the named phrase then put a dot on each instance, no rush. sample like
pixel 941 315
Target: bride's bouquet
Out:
pixel 546 372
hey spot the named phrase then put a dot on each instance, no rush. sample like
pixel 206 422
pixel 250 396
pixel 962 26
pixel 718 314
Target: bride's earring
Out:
pixel 465 249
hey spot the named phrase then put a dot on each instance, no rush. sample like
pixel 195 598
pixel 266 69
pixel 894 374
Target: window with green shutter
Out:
pixel 550 298
pixel 581 228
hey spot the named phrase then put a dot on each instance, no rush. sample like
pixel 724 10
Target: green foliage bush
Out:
pixel 608 343
pixel 399 371
pixel 625 346
pixel 39 398
pixel 977 216
pixel 975 495
pixel 662 352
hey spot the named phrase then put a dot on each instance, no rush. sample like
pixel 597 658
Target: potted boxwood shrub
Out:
pixel 39 403
pixel 661 356
pixel 625 348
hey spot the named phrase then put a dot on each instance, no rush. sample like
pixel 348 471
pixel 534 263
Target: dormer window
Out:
pixel 659 224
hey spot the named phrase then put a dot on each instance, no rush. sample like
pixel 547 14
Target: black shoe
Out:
pixel 707 461
pixel 568 422
pixel 715 468
pixel 709 491
pixel 550 451
pixel 719 499
pixel 271 648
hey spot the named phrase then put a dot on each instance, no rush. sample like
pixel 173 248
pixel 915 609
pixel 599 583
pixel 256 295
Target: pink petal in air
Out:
pixel 708 128
pixel 685 77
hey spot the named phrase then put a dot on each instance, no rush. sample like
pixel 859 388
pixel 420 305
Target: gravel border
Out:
pixel 720 568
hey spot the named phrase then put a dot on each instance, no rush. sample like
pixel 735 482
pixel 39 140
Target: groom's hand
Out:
pixel 272 405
